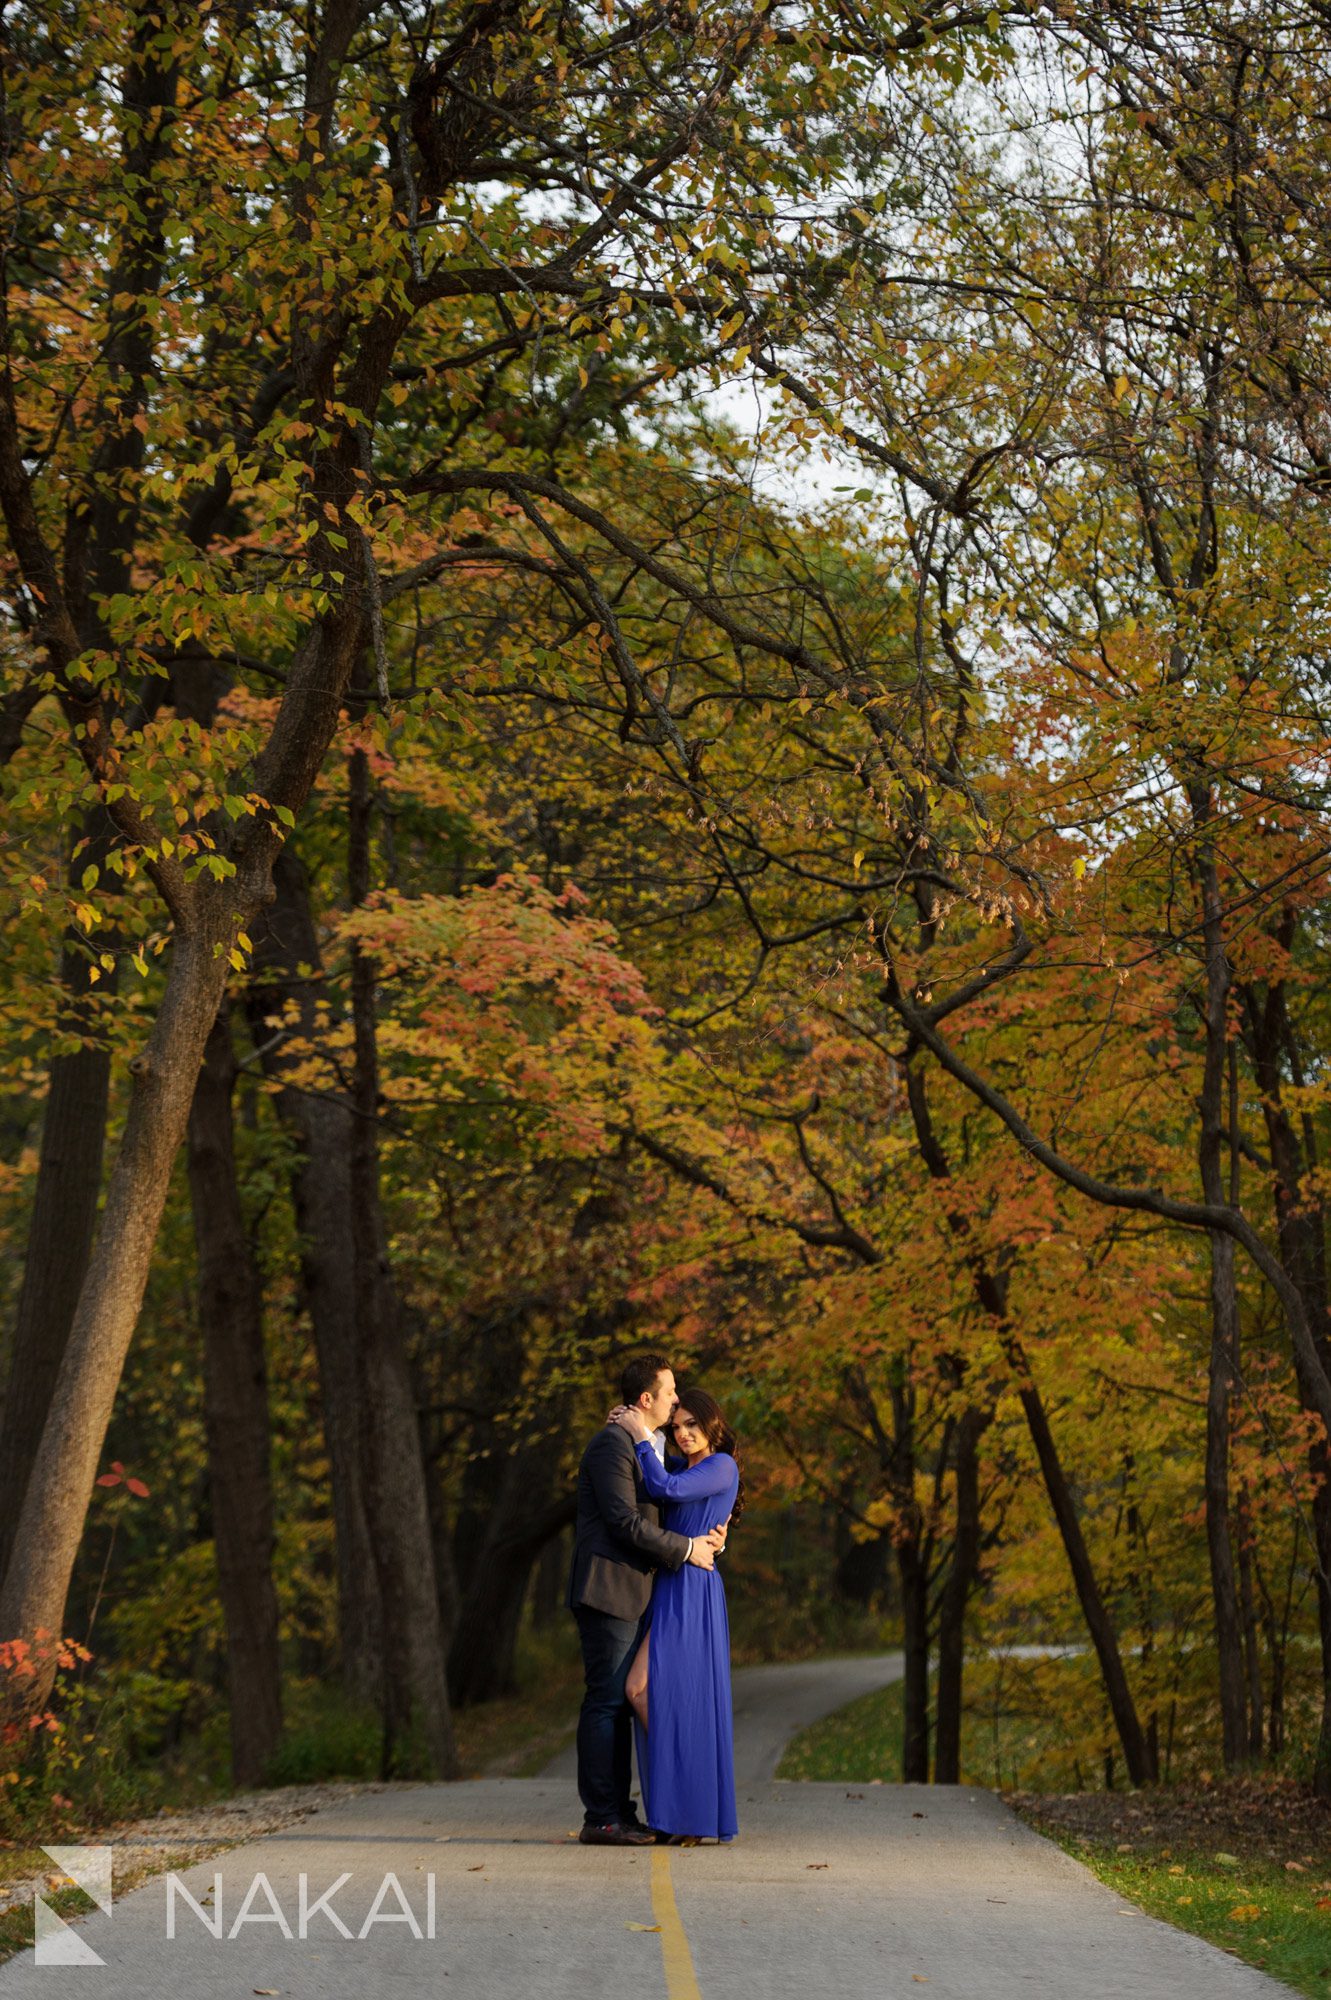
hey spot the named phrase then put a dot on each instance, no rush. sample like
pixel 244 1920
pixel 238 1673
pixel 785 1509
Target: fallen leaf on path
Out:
pixel 920 1978
pixel 477 1869
pixel 268 1991
pixel 816 1864
pixel 642 1927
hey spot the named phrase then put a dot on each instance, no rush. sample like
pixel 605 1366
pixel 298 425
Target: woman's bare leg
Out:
pixel 636 1685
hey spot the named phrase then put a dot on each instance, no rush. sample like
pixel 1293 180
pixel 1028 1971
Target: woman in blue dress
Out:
pixel 685 1730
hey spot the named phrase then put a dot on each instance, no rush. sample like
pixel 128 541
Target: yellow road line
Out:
pixel 680 1978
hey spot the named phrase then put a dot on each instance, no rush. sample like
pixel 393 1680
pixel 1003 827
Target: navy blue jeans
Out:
pixel 605 1724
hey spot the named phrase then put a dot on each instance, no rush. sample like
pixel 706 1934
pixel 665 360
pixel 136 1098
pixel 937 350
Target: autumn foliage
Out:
pixel 663 683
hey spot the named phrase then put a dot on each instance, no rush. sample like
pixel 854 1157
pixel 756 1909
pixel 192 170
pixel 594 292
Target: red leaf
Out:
pixel 137 1486
pixel 109 1479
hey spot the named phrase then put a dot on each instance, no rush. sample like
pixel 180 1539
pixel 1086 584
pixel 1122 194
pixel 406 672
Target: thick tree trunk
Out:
pixel 482 1657
pixel 235 1384
pixel 418 1730
pixel 289 977
pixel 547 1589
pixel 521 1520
pixel 163 1075
pixel 60 1234
pixel 961 1578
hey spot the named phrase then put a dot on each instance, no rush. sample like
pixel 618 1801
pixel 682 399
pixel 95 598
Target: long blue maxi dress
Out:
pixel 686 1758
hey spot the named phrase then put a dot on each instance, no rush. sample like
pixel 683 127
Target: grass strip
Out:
pixel 1257 1911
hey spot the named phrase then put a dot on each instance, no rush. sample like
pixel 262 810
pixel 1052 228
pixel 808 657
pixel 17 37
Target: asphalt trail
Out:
pixel 872 1892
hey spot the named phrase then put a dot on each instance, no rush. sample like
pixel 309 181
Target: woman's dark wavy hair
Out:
pixel 706 1413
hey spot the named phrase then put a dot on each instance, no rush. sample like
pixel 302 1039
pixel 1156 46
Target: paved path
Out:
pixel 872 1892
pixel 771 1703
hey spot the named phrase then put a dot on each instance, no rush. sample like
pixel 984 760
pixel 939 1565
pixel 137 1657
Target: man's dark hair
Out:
pixel 640 1375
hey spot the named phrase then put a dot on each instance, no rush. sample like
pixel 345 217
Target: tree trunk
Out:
pixel 912 1546
pixel 547 1590
pixel 60 1234
pixel 1099 1625
pixel 1322 1529
pixel 915 1675
pixel 235 1388
pixel 289 976
pixel 521 1522
pixel 991 1289
pixel 1212 1137
pixel 1220 1548
pixel 1300 1235
pixel 447 1588
pixel 956 1596
pixel 1277 1640
pixel 1252 1656
pixel 418 1730
pixel 163 1075
pixel 482 1657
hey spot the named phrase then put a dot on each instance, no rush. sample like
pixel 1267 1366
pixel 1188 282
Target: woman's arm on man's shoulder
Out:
pixel 715 1475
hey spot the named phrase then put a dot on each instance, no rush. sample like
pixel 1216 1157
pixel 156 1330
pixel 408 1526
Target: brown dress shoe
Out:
pixel 612 1834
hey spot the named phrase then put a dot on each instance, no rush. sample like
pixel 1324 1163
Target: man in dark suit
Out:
pixel 619 1544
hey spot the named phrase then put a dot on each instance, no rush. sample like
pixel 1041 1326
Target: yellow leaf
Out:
pixel 1079 866
pixel 1243 1913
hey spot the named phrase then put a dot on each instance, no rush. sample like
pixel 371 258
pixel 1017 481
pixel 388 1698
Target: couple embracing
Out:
pixel 657 1490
